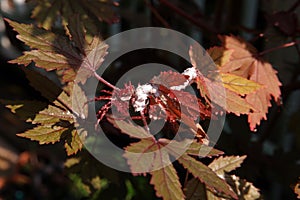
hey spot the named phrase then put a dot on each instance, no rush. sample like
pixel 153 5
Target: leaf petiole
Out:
pixel 102 80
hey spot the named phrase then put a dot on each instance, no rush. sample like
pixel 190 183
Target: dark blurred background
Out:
pixel 31 171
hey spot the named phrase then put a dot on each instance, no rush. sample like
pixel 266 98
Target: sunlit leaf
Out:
pixel 44 134
pixel 211 87
pixel 230 101
pixel 243 188
pixel 239 84
pixel 246 62
pixel 13 108
pixel 220 55
pixel 226 164
pixel 51 115
pixel 201 150
pixel 73 142
pixel 71 162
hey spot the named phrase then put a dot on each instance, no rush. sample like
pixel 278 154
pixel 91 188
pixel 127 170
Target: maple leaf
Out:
pixel 195 190
pixel 215 92
pixel 48 12
pixel 220 55
pixel 150 155
pixel 45 134
pixel 243 188
pixel 205 175
pixel 212 87
pixel 43 84
pixel 79 106
pixel 55 52
pixel 239 85
pixel 245 62
pixel 165 180
pixel 169 79
pixel 149 158
pixel 73 142
pixel 177 107
pixel 54 122
pixel 191 105
pixel 201 150
pixel 226 164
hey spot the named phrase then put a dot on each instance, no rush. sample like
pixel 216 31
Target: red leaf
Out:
pixel 246 63
pixel 169 79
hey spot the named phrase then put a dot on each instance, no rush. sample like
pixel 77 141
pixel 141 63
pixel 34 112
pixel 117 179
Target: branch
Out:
pixel 157 15
pixel 200 23
pixel 294 7
pixel 279 47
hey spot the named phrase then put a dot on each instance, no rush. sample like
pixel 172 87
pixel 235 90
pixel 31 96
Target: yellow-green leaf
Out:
pixel 73 143
pixel 13 108
pixel 239 84
pixel 243 188
pixel 51 115
pixel 25 109
pixel 226 164
pixel 44 134
pixel 71 162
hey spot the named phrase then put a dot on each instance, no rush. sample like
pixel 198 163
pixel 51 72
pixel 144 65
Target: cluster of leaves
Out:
pixel 249 82
pixel 242 61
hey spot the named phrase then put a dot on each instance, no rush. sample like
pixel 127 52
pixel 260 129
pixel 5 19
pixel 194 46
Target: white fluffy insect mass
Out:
pixel 142 92
pixel 192 73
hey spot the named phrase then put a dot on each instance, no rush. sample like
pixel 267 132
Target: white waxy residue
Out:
pixel 192 73
pixel 142 92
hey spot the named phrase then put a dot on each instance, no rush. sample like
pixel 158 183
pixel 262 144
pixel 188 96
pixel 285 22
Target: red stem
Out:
pixel 102 80
pixel 279 47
